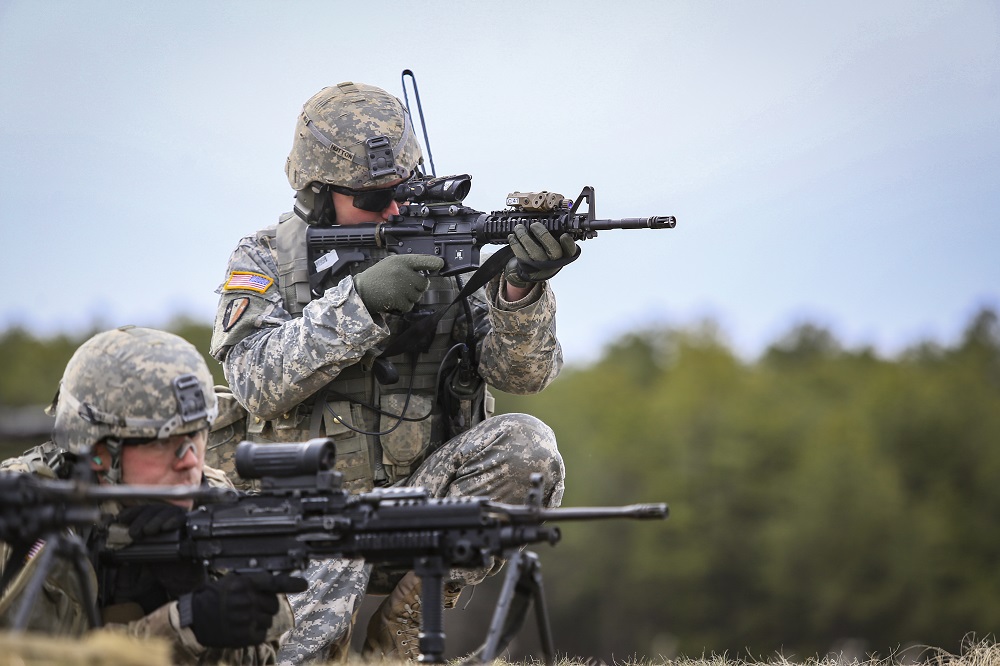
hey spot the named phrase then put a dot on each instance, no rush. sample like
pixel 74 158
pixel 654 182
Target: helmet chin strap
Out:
pixel 113 474
pixel 314 204
pixel 82 467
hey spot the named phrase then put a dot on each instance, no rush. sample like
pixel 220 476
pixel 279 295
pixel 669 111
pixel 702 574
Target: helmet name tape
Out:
pixel 325 140
pixel 191 404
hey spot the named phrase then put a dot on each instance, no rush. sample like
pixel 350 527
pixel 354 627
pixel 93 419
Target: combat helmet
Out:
pixel 132 383
pixel 350 135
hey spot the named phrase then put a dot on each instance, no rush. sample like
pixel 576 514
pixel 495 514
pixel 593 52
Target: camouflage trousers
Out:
pixel 494 459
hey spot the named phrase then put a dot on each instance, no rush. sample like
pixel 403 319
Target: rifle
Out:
pixel 434 221
pixel 301 513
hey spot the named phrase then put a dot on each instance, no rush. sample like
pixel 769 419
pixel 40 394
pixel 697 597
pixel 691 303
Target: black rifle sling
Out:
pixel 419 335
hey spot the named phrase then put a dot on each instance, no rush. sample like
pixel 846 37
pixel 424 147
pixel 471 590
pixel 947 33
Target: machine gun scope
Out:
pixel 255 461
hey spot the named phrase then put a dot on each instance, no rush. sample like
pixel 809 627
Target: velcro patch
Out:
pixel 234 311
pixel 248 281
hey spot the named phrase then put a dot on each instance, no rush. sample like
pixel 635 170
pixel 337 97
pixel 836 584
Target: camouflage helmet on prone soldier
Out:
pixel 351 135
pixel 132 383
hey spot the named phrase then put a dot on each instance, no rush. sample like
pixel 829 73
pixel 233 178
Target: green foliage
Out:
pixel 33 366
pixel 200 336
pixel 818 494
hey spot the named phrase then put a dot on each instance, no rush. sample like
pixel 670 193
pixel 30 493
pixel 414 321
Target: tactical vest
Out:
pixel 382 432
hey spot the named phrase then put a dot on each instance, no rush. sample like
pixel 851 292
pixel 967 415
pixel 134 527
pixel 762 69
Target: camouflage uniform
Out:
pixel 275 362
pixel 300 364
pixel 60 610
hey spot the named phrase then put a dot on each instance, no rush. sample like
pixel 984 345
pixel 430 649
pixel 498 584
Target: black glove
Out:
pixel 236 610
pixel 147 520
pixel 152 584
pixel 396 283
pixel 534 248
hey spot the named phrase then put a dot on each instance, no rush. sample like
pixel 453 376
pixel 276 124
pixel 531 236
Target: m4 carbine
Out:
pixel 434 221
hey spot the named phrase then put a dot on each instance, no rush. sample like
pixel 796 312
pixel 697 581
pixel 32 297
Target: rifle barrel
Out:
pixel 654 222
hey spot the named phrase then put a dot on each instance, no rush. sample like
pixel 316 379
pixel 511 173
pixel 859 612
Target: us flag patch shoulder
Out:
pixel 246 280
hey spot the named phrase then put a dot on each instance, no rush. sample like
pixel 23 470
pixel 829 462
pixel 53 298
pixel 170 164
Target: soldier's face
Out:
pixel 170 461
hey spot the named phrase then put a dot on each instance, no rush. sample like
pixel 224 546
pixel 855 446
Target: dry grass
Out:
pixel 974 653
pixel 97 650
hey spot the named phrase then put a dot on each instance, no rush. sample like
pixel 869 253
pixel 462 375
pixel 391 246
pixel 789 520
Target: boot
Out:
pixel 394 629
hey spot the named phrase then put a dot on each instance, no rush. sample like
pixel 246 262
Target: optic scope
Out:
pixel 442 189
pixel 255 461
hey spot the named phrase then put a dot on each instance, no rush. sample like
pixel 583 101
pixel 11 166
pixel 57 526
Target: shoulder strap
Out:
pixel 293 262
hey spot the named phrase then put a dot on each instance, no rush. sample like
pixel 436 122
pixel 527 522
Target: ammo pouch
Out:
pixel 354 457
pixel 410 441
pixel 403 447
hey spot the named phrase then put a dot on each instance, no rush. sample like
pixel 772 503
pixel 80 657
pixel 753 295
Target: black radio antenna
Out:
pixel 420 111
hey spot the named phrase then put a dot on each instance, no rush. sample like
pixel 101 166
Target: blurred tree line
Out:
pixel 817 494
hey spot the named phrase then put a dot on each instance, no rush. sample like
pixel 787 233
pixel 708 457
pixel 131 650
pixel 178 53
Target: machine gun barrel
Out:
pixel 657 511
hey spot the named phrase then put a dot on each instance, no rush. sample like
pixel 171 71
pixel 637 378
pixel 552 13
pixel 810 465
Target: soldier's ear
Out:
pixel 100 458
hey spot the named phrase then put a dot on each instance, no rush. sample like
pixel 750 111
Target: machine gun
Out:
pixel 433 220
pixel 301 513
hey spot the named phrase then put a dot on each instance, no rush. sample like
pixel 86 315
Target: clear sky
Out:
pixel 833 162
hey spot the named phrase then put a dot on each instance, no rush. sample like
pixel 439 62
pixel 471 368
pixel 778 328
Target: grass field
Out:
pixel 974 653
pixel 100 648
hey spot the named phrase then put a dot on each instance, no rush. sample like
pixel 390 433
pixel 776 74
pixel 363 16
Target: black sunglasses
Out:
pixel 374 201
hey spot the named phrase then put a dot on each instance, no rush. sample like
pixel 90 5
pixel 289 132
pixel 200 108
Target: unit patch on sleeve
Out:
pixel 234 311
pixel 248 281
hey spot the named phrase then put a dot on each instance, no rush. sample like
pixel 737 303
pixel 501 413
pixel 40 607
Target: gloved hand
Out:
pixel 395 284
pixel 146 583
pixel 236 610
pixel 151 519
pixel 535 244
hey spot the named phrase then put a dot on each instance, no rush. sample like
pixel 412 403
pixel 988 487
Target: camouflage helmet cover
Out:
pixel 132 383
pixel 352 135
